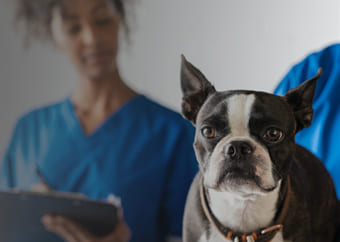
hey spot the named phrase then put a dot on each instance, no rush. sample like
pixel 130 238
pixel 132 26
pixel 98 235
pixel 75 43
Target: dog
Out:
pixel 254 183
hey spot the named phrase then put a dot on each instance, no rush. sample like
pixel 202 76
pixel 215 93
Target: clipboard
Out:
pixel 21 212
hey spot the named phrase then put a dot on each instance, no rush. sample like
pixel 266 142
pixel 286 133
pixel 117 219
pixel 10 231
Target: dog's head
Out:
pixel 244 140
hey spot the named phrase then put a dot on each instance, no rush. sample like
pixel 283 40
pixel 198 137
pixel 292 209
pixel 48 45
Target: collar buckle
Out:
pixel 277 227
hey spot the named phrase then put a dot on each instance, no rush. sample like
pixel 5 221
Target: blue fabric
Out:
pixel 322 137
pixel 143 153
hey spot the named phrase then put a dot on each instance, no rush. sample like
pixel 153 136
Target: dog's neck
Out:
pixel 244 212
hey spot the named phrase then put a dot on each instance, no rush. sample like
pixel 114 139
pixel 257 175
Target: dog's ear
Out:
pixel 195 88
pixel 300 99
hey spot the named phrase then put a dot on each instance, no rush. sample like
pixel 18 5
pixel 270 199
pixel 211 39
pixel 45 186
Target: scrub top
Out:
pixel 142 153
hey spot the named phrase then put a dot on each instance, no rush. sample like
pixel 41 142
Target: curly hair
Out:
pixel 35 16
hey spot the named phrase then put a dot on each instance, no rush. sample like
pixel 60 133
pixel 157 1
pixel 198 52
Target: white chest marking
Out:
pixel 245 212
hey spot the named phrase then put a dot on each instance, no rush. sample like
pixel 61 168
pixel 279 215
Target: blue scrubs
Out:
pixel 142 153
pixel 322 137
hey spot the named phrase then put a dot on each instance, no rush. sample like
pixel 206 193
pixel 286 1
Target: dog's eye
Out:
pixel 273 135
pixel 208 132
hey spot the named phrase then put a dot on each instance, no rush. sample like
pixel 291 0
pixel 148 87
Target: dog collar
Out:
pixel 261 235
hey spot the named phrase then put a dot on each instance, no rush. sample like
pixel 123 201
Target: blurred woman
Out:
pixel 104 138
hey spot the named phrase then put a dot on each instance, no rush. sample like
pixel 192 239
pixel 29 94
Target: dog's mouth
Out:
pixel 236 177
pixel 237 174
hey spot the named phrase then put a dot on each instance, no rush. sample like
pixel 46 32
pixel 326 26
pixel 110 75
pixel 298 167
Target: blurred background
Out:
pixel 237 44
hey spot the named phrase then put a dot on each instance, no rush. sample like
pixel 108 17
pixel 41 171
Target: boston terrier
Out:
pixel 254 182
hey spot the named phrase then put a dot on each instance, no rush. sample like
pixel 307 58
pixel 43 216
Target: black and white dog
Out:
pixel 254 183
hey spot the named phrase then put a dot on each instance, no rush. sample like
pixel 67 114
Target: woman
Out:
pixel 104 138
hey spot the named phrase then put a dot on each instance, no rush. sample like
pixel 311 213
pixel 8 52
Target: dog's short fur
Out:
pixel 246 151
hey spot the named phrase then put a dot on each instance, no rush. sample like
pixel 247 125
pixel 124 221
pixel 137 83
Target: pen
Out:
pixel 42 179
pixel 47 188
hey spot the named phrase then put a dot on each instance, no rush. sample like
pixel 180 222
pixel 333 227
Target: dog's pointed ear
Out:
pixel 195 88
pixel 300 99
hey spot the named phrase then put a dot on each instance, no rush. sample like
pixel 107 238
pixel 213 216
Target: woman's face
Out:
pixel 87 30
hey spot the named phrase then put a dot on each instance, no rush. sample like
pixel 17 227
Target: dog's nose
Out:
pixel 238 149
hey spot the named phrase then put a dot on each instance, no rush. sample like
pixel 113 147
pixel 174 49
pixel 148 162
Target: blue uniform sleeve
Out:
pixel 7 163
pixel 5 170
pixel 183 167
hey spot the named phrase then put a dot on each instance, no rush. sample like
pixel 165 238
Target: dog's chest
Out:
pixel 214 236
pixel 242 215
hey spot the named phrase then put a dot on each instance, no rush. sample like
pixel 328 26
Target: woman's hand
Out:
pixel 72 232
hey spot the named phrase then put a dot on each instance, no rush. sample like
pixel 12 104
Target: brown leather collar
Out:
pixel 261 235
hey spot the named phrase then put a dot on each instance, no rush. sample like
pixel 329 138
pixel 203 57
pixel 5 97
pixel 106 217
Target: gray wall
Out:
pixel 238 44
